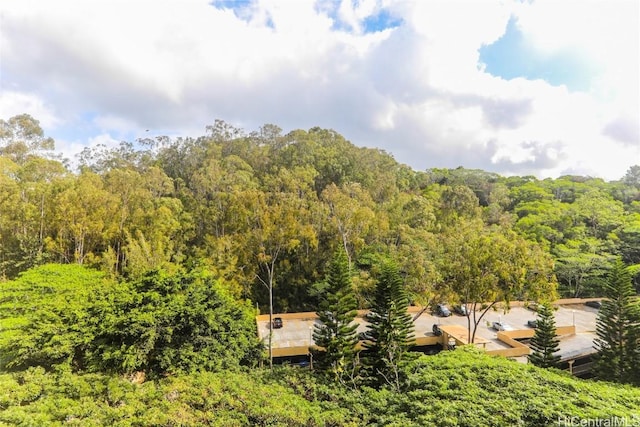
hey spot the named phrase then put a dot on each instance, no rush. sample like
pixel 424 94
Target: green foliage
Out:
pixel 582 266
pixel 466 387
pixel 632 176
pixel 173 322
pixel 266 208
pixel 336 334
pixel 256 207
pixel 618 329
pixel 458 201
pixel 225 399
pixel 545 343
pixel 485 265
pixel 68 315
pixel 208 201
pixel 456 388
pixel 390 330
pixel 21 138
pixel 45 318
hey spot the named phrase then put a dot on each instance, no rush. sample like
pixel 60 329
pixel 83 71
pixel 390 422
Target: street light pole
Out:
pixel 310 344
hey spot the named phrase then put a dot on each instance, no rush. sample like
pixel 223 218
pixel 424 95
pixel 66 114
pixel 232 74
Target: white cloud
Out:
pixel 13 103
pixel 607 33
pixel 415 90
pixel 109 122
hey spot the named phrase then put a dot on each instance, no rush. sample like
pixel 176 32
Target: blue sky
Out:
pixel 513 56
pixel 540 88
pixel 379 19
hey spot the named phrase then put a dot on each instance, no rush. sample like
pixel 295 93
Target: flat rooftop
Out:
pixel 296 334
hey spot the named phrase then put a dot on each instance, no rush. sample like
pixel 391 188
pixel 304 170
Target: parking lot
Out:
pixel 296 334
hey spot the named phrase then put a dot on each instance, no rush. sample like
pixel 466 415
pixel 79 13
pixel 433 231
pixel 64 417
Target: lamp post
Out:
pixel 310 344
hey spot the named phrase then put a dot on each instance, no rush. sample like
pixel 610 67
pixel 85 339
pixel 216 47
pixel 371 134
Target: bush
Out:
pixel 173 323
pixel 44 314
pixel 68 315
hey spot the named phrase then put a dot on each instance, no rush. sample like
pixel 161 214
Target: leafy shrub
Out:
pixel 169 323
pixel 35 397
pixel 68 315
pixel 44 315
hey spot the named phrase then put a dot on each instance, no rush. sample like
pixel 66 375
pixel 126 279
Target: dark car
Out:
pixel 436 330
pixel 594 304
pixel 442 310
pixel 277 322
pixel 460 309
pixel 534 306
pixel 532 323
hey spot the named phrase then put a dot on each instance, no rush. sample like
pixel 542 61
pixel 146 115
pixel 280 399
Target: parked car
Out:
pixel 594 304
pixel 436 330
pixel 501 326
pixel 533 306
pixel 460 309
pixel 442 310
pixel 532 323
pixel 277 322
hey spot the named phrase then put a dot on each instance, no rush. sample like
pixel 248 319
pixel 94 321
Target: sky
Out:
pixel 534 87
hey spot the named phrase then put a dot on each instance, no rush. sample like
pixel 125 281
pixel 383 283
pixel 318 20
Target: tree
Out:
pixel 351 210
pixel 618 329
pixel 21 138
pixel 27 210
pixel 172 322
pixel 543 221
pixel 581 267
pixel 84 214
pixel 279 228
pixel 545 343
pixel 632 177
pixel 457 202
pixel 485 266
pixel 599 213
pixel 390 330
pixel 336 335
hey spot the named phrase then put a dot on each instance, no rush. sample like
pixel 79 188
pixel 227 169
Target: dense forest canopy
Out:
pixel 264 209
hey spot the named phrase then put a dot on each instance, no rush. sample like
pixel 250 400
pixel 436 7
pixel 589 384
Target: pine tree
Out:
pixel 336 334
pixel 390 329
pixel 618 330
pixel 545 343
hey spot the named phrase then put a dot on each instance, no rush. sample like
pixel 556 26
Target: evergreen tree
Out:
pixel 618 329
pixel 545 343
pixel 390 330
pixel 336 335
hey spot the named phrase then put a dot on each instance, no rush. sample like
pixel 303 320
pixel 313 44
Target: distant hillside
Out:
pixel 262 206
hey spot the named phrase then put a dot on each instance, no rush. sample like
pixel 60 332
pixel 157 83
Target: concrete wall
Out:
pixel 517 348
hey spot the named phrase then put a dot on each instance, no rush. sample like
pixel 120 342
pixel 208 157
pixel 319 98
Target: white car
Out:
pixel 501 326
